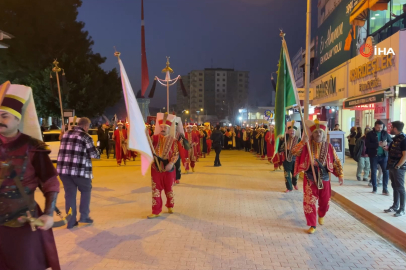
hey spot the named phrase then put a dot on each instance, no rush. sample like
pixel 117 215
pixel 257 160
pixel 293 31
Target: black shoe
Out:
pixel 374 191
pixel 87 220
pixel 399 213
pixel 72 226
pixel 215 165
pixel 390 210
pixel 365 180
pixel 385 192
pixel 359 179
pixel 219 165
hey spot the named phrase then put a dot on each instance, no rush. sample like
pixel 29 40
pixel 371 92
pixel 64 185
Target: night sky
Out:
pixel 240 34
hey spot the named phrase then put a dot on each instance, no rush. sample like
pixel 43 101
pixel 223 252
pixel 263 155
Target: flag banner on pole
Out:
pixel 286 93
pixel 144 64
pixel 137 138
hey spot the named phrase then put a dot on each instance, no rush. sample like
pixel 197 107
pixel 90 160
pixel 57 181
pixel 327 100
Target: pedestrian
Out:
pixel 247 139
pixel 351 140
pixel 397 168
pixel 238 138
pixel 217 138
pixel 192 153
pixel 317 187
pixel 362 158
pixel 337 127
pixel 163 173
pixel 75 169
pixel 25 166
pixel 289 142
pixel 270 143
pixel 104 139
pixel 120 138
pixel 375 141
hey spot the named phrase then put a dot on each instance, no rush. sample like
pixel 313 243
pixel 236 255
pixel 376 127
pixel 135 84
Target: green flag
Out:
pixel 285 93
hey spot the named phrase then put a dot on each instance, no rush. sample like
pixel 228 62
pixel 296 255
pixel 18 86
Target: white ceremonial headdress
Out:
pixel 18 100
pixel 167 120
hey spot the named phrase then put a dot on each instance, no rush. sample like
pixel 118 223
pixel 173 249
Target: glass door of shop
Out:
pixel 368 119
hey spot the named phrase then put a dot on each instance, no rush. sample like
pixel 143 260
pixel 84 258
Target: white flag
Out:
pixel 137 138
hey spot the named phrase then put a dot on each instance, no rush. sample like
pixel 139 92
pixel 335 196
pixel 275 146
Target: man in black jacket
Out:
pixel 375 142
pixel 104 137
pixel 217 138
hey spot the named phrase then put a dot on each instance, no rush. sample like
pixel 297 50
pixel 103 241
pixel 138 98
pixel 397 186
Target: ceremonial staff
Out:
pixel 167 82
pixel 57 69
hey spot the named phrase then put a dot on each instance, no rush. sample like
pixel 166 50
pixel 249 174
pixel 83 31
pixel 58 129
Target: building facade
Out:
pixel 213 92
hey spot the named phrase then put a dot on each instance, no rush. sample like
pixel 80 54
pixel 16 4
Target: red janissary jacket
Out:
pixel 194 141
pixel 166 147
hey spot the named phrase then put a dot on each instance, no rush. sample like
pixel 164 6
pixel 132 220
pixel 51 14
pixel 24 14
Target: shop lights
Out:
pixel 372 18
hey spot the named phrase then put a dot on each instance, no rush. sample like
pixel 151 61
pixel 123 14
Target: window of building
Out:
pixel 218 90
pixel 200 74
pixel 200 84
pixel 218 80
pixel 224 80
pixel 377 19
pixel 200 90
pixel 218 74
pixel 224 96
pixel 240 85
pixel 240 75
pixel 224 74
pixel 224 91
pixel 240 80
pixel 224 85
pixel 200 100
pixel 200 80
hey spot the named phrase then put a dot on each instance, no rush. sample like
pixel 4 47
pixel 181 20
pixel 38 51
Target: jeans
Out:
pixel 381 160
pixel 397 178
pixel 217 159
pixel 71 185
pixel 363 166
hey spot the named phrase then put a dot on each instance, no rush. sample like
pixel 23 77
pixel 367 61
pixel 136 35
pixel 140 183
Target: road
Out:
pixel 231 217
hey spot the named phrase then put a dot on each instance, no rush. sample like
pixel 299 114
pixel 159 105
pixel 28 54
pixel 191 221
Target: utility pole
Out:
pixel 307 71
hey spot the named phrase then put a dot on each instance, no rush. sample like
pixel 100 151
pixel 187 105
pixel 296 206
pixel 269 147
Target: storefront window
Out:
pixel 377 19
pixel 399 9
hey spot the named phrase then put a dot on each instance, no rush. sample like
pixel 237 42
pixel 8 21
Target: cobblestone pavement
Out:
pixel 232 217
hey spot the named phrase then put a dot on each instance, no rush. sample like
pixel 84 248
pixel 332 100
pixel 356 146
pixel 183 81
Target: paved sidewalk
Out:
pixel 358 196
pixel 232 217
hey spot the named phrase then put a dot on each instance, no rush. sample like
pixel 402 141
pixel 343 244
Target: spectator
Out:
pixel 351 141
pixel 337 127
pixel 74 166
pixel 362 158
pixel 397 168
pixel 375 141
pixel 359 134
pixel 217 138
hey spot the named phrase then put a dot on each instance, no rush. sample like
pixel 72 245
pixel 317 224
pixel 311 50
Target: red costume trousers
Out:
pixel 192 164
pixel 311 195
pixel 208 147
pixel 162 181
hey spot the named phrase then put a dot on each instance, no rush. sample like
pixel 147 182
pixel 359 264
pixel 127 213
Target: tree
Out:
pixel 46 30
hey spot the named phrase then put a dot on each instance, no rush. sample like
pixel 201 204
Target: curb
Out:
pixel 377 224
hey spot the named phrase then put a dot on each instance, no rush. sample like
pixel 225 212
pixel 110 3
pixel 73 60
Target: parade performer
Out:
pixel 279 157
pixel 182 146
pixel 26 237
pixel 292 138
pixel 208 140
pixel 325 161
pixel 197 133
pixel 130 153
pixel 270 143
pixel 120 138
pixel 193 139
pixel 203 141
pixel 163 172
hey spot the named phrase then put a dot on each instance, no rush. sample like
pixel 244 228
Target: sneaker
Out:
pixel 390 210
pixel 386 193
pixel 358 178
pixel 399 213
pixel 72 226
pixel 87 220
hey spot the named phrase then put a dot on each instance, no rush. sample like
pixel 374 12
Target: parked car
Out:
pixel 51 138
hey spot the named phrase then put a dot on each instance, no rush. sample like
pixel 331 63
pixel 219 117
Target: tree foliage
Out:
pixel 46 30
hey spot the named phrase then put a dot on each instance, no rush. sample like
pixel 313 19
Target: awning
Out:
pixel 360 12
pixel 374 97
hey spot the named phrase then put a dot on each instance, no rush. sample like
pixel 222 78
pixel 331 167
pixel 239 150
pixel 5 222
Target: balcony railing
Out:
pixel 389 29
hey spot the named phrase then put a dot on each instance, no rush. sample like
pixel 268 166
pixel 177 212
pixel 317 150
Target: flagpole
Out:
pixel 309 150
pixel 167 91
